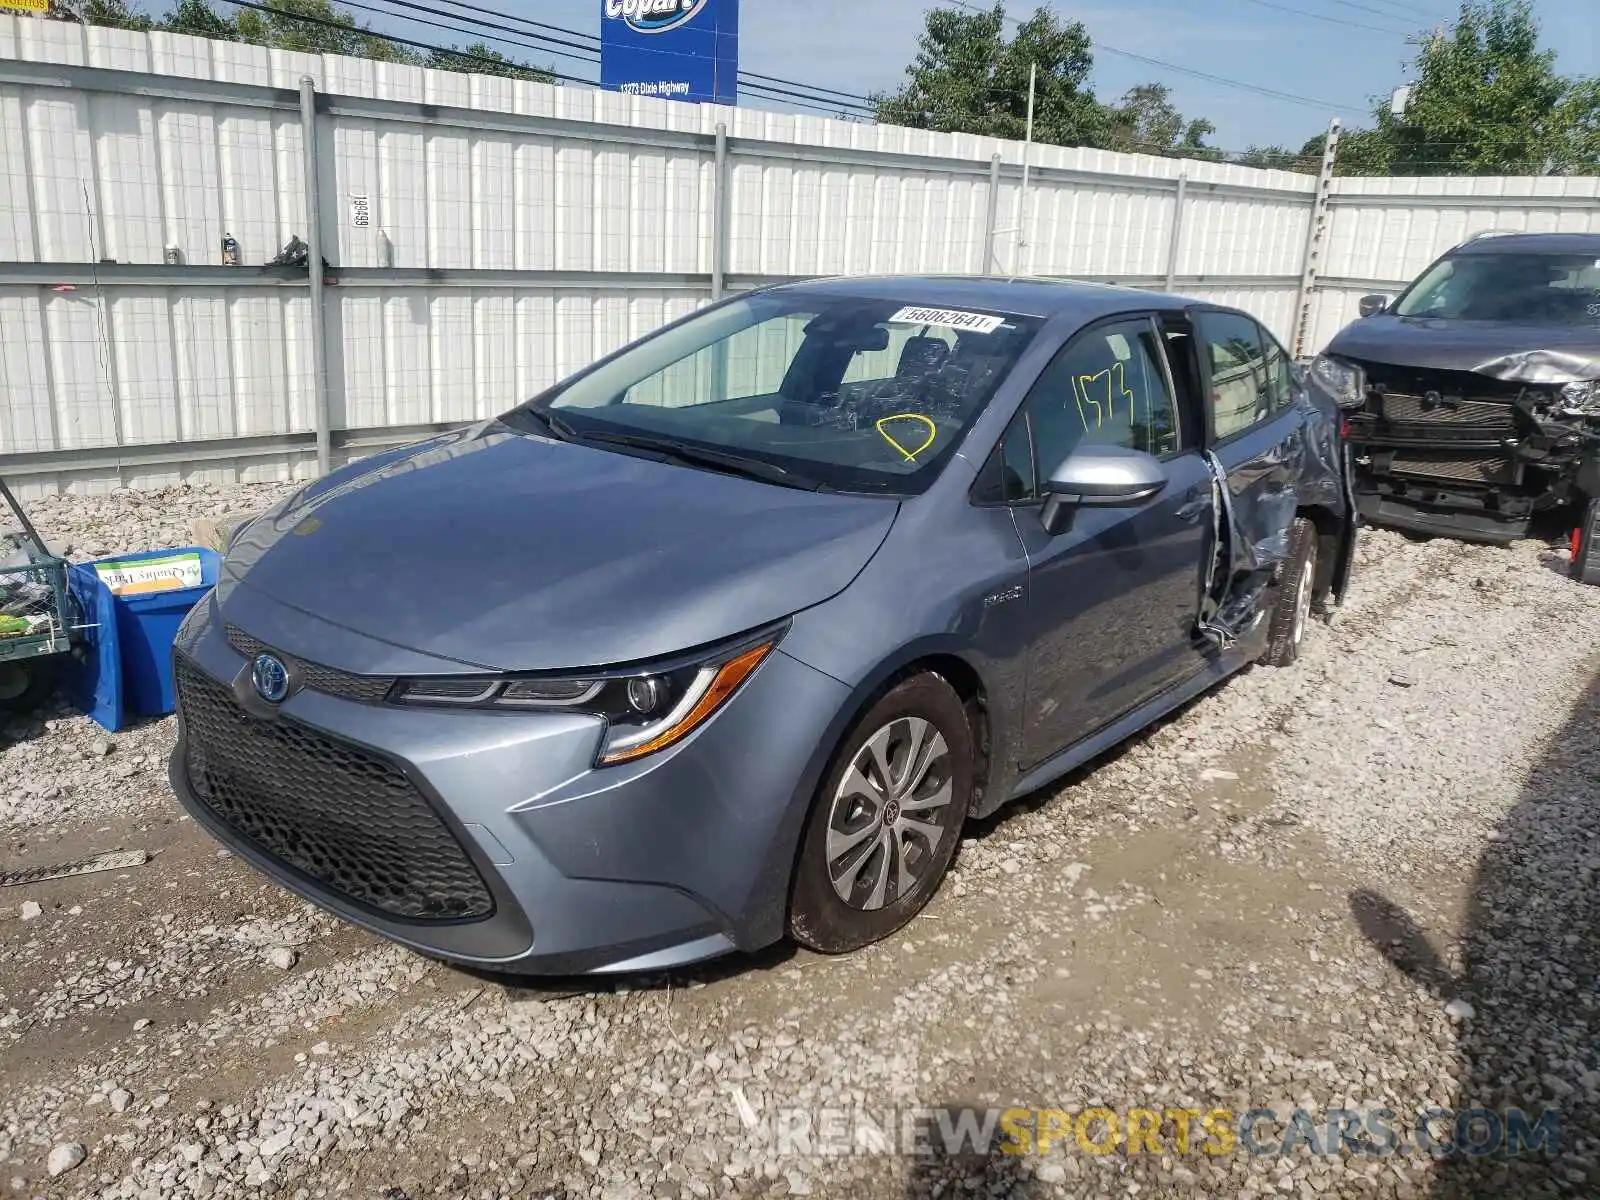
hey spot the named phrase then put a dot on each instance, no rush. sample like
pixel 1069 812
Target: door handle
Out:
pixel 1194 509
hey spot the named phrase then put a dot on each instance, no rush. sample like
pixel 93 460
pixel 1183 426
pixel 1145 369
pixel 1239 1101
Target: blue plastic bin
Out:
pixel 123 666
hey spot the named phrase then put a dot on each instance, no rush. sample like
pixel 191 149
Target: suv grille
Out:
pixel 348 818
pixel 1484 415
pixel 367 689
pixel 1490 469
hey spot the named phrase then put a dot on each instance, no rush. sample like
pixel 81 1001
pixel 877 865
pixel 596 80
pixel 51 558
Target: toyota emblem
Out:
pixel 271 678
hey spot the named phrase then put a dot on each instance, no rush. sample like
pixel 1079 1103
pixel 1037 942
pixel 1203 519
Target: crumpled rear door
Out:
pixel 1272 451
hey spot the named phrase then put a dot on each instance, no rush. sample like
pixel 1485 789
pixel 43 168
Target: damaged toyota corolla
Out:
pixel 1476 394
pixel 726 636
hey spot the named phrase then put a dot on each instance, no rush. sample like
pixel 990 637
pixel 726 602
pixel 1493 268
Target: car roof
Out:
pixel 1020 297
pixel 1532 243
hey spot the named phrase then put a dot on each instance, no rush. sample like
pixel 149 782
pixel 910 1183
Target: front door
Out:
pixel 1111 601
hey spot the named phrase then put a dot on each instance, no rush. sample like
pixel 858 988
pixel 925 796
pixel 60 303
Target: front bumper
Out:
pixel 1466 524
pixel 675 858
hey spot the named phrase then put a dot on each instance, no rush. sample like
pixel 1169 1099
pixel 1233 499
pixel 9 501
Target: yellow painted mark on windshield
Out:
pixel 1091 409
pixel 911 455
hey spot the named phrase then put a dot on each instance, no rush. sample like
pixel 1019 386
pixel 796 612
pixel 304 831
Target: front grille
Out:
pixel 367 689
pixel 348 818
pixel 1479 415
pixel 1491 469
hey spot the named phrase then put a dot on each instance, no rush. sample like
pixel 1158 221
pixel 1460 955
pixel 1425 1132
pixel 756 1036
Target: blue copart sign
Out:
pixel 671 49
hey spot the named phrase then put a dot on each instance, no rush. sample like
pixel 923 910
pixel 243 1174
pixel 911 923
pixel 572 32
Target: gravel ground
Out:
pixel 1360 883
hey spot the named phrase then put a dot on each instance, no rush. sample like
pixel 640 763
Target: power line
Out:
pixel 1407 9
pixel 500 64
pixel 1234 83
pixel 1272 93
pixel 1300 12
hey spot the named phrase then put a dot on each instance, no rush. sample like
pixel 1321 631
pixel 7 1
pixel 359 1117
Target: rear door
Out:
pixel 1253 418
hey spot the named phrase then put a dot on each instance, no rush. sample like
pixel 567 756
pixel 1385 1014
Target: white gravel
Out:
pixel 1362 882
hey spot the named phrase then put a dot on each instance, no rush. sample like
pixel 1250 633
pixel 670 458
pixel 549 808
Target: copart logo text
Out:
pixel 653 16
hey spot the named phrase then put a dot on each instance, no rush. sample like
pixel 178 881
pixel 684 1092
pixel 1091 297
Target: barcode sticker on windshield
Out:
pixel 950 319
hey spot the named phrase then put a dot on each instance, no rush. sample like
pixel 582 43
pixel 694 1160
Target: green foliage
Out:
pixel 327 31
pixel 1307 159
pixel 196 18
pixel 1486 101
pixel 968 78
pixel 310 26
pixel 1145 121
pixel 478 58
pixel 115 14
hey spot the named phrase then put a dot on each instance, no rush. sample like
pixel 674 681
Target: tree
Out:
pixel 1145 121
pixel 1281 158
pixel 967 78
pixel 478 58
pixel 197 19
pixel 115 14
pixel 1486 101
pixel 326 31
pixel 311 26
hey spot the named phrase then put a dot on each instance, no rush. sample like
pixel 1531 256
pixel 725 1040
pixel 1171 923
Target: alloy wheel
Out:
pixel 1302 600
pixel 883 826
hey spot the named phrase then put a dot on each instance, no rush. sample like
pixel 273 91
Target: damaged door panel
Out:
pixel 1274 454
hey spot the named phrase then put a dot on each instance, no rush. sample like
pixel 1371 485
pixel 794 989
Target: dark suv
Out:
pixel 1474 398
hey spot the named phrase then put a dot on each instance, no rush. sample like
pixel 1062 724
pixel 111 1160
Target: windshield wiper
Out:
pixel 553 423
pixel 703 456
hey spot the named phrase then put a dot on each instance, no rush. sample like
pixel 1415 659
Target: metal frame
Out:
pixel 1316 229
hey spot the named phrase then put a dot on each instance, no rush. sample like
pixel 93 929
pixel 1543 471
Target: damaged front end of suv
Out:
pixel 1473 453
pixel 1473 405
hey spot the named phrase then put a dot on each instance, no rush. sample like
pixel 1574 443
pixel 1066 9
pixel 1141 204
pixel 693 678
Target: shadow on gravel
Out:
pixel 943 1175
pixel 1531 953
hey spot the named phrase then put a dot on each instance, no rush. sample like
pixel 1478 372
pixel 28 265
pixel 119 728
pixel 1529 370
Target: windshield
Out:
pixel 1551 289
pixel 845 392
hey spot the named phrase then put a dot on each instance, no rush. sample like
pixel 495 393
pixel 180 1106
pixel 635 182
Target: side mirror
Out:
pixel 1371 306
pixel 1100 477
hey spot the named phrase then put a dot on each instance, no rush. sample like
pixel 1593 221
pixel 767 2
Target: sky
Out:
pixel 864 46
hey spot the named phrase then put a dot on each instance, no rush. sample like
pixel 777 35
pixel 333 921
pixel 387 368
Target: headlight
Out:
pixel 645 710
pixel 1581 399
pixel 1345 380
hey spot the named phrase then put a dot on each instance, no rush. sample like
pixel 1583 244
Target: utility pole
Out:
pixel 1027 162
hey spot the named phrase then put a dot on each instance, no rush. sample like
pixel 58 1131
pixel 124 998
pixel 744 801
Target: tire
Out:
pixel 851 897
pixel 1585 566
pixel 1291 612
pixel 26 684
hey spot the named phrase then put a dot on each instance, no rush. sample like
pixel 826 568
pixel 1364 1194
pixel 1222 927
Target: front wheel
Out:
pixel 1585 566
pixel 886 821
pixel 1292 611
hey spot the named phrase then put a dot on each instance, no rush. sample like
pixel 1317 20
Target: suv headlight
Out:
pixel 1581 399
pixel 1346 381
pixel 645 709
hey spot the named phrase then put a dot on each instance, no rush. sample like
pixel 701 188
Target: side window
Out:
pixel 1007 477
pixel 1237 387
pixel 1106 388
pixel 1280 380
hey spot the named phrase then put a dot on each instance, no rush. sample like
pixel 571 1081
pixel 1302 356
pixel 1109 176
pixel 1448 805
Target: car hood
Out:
pixel 509 551
pixel 1500 349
